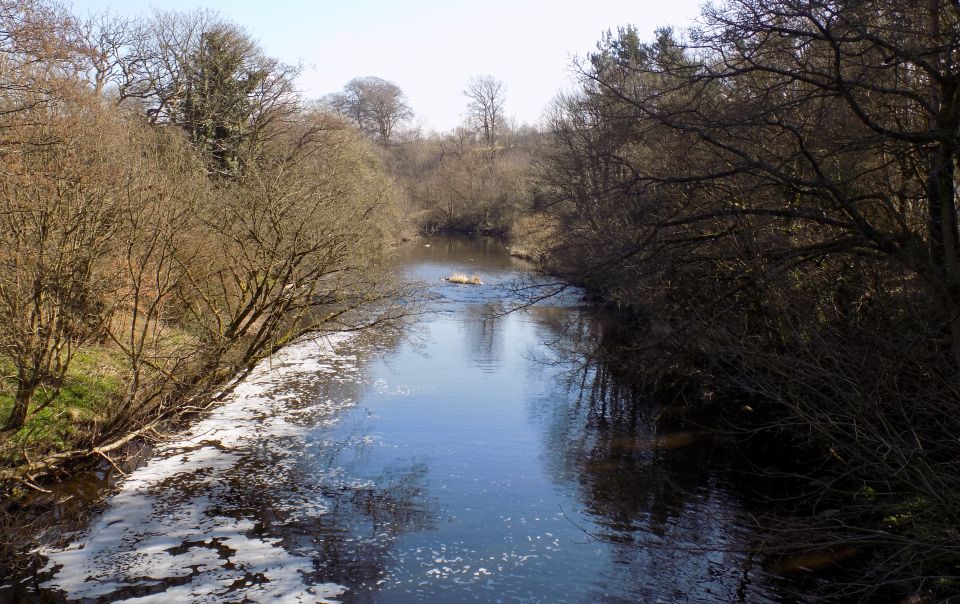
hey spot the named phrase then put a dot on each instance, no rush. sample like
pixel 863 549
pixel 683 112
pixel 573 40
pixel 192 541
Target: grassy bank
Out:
pixel 69 416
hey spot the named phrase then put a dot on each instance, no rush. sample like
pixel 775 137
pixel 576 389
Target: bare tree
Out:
pixel 375 105
pixel 57 215
pixel 485 96
pixel 55 207
pixel 196 71
pixel 38 57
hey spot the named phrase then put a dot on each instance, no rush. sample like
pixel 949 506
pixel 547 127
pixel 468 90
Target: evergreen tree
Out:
pixel 222 77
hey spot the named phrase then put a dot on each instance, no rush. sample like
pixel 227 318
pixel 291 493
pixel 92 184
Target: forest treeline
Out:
pixel 772 196
pixel 171 212
pixel 477 178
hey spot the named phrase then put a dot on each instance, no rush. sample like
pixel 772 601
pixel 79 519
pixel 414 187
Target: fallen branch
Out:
pixel 42 467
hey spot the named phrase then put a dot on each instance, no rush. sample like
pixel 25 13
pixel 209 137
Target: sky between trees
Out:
pixel 430 48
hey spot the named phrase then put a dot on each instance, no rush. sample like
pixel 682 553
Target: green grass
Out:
pixel 93 381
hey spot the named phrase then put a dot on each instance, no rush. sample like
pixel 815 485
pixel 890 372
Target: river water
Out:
pixel 474 457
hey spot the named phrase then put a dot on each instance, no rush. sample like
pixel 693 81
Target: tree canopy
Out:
pixel 376 106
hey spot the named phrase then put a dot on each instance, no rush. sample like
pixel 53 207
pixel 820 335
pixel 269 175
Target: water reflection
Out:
pixel 484 336
pixel 668 502
pixel 354 537
pixel 552 478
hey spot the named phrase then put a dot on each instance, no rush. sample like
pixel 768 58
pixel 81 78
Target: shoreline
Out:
pixel 126 545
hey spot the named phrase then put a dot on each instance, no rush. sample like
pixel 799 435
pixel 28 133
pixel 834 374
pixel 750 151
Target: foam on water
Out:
pixel 158 542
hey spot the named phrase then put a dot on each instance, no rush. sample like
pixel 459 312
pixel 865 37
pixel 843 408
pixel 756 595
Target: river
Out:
pixel 474 457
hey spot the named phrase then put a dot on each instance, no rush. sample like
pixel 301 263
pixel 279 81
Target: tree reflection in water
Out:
pixel 671 503
pixel 355 537
pixel 363 518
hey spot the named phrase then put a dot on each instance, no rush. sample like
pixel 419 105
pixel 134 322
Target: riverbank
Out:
pixel 127 549
pixel 863 521
pixel 527 237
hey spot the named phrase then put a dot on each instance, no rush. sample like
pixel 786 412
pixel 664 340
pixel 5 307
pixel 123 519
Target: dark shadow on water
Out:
pixel 687 514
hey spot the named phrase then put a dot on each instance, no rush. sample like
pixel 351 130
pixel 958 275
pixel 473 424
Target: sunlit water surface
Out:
pixel 470 460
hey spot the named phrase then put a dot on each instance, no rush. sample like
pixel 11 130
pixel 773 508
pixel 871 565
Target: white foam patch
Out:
pixel 153 534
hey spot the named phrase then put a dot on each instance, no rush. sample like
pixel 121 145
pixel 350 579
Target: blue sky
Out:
pixel 430 47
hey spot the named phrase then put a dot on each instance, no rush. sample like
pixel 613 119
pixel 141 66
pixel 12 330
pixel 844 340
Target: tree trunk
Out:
pixel 941 190
pixel 941 197
pixel 21 403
